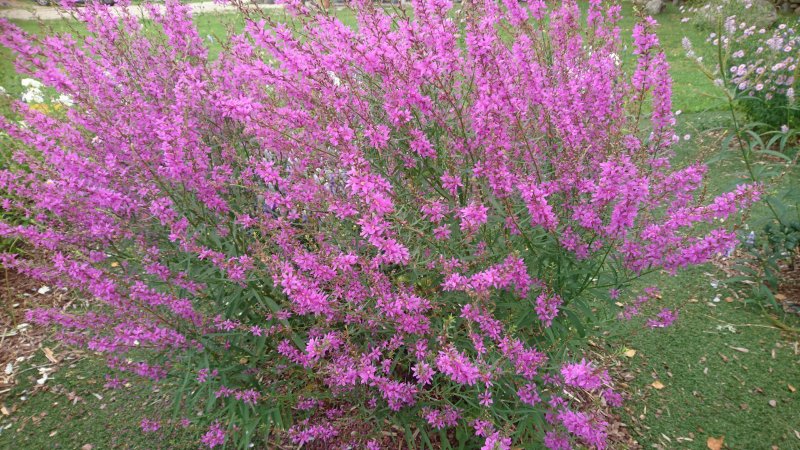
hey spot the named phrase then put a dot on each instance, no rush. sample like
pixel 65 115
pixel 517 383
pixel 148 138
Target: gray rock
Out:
pixel 769 15
pixel 651 7
pixel 654 7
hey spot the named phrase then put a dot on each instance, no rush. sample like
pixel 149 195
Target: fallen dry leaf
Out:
pixel 792 389
pixel 773 403
pixel 630 353
pixel 50 355
pixel 658 385
pixel 5 410
pixel 740 349
pixel 780 297
pixel 715 443
pixel 87 447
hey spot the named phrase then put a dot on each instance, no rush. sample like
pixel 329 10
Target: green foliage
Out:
pixel 7 245
pixel 771 159
pixel 774 246
pixel 772 113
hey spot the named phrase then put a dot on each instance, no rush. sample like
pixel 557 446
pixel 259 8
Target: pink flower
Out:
pixel 440 419
pixel 214 437
pixel 441 233
pixel 547 307
pixel 497 442
pixel 451 183
pixel 557 441
pixel 483 428
pixel 529 394
pixel 583 375
pixel 473 216
pixel 542 213
pixel 150 426
pixel 663 319
pixel 423 373
pixel 457 366
pixel 420 145
pixel 485 399
pixel 589 429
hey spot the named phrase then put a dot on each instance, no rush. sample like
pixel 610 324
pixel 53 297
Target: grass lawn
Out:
pixel 727 371
pixel 727 368
pixel 74 409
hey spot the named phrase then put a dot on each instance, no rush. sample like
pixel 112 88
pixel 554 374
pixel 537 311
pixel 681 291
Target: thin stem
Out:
pixel 8 299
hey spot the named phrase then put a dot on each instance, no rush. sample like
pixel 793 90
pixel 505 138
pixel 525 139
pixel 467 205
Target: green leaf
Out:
pixel 775 154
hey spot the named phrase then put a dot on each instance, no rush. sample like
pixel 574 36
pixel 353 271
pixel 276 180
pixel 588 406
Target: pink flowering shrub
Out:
pixel 402 223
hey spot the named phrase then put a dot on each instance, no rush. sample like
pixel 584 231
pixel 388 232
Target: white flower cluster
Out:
pixel 65 100
pixel 33 93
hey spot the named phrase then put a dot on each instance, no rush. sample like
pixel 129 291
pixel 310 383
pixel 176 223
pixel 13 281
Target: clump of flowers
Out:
pixel 397 222
pixel 33 91
pixel 706 15
pixel 759 66
pixel 764 67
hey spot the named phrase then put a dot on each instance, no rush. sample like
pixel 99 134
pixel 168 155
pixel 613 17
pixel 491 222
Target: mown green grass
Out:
pixel 711 388
pixel 74 409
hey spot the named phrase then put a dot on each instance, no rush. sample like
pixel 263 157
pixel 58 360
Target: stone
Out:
pixel 651 7
pixel 654 7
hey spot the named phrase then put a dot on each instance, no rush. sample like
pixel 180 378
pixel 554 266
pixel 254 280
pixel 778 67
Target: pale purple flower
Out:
pixel 663 319
pixel 150 426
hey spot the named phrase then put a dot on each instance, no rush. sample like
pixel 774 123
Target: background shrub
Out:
pixel 707 15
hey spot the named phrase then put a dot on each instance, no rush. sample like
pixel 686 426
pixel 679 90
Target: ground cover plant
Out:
pixel 469 383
